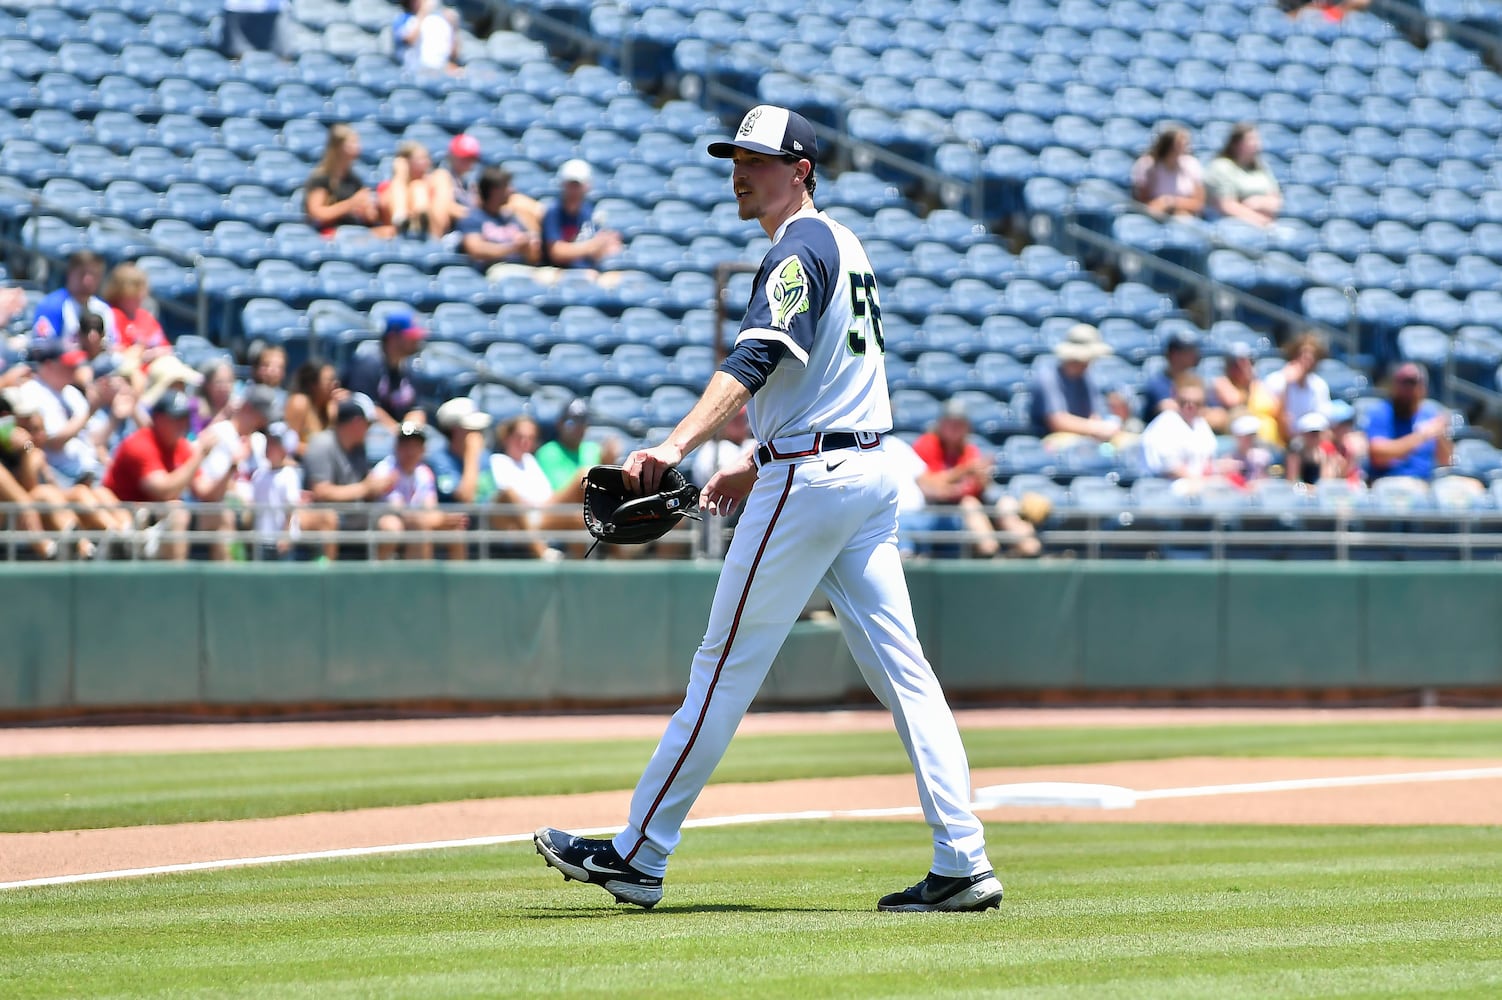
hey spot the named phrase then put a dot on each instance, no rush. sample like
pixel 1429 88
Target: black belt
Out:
pixel 822 443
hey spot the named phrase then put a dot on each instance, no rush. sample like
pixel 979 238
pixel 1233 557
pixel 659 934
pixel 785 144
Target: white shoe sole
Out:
pixel 983 895
pixel 624 892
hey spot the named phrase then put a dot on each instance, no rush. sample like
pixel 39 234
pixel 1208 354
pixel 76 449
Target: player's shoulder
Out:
pixel 811 238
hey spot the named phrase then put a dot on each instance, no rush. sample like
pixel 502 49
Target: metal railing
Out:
pixel 1148 531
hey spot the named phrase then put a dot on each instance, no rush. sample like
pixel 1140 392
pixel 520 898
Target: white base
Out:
pixel 1073 794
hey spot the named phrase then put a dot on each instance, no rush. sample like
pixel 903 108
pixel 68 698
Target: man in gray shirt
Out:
pixel 337 470
pixel 1066 406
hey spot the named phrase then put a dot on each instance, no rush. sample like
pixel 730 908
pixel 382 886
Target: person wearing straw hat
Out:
pixel 1066 406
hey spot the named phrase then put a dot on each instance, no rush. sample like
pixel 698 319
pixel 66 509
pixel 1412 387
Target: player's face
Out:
pixel 764 186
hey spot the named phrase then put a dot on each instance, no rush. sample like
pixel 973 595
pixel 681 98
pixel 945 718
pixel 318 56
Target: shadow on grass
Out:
pixel 597 912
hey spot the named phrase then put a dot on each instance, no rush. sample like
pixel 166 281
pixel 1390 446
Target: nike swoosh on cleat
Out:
pixel 590 864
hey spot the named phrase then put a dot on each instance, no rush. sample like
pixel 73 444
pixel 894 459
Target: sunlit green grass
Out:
pixel 787 910
pixel 72 792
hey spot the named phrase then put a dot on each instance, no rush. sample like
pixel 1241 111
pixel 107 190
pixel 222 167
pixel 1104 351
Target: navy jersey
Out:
pixel 816 295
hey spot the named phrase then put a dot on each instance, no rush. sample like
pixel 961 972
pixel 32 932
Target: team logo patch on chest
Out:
pixel 787 293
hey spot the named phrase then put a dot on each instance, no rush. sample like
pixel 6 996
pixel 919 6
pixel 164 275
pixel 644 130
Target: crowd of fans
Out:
pixel 104 429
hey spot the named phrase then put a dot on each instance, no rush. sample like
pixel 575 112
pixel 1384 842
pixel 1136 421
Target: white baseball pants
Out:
pixel 829 521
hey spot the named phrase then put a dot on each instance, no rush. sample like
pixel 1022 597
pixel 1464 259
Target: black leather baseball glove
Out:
pixel 613 515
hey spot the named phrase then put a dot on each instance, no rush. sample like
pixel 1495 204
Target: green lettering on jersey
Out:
pixel 787 293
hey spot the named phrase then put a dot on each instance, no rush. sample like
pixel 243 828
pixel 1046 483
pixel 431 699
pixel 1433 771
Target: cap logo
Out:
pixel 748 123
pixel 797 146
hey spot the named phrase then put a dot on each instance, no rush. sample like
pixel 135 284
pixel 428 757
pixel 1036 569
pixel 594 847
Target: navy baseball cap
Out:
pixel 771 130
pixel 173 403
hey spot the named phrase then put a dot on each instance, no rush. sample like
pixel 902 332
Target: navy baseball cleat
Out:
pixel 967 893
pixel 596 861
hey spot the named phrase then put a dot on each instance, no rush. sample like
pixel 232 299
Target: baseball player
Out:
pixel 820 511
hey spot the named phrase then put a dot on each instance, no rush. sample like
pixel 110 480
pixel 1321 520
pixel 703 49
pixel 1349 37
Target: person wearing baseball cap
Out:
pixel 568 456
pixel 157 464
pixel 455 181
pixel 1181 354
pixel 462 470
pixel 571 235
pixel 386 377
pixel 337 470
pixel 65 411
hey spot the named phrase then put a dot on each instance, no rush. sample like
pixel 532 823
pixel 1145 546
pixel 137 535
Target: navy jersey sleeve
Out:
pixel 792 289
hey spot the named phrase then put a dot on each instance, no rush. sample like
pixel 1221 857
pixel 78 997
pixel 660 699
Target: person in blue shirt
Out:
pixel 498 241
pixel 1407 433
pixel 58 313
pixel 571 236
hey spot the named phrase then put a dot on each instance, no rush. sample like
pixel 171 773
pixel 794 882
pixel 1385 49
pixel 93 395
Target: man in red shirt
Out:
pixel 156 465
pixel 960 474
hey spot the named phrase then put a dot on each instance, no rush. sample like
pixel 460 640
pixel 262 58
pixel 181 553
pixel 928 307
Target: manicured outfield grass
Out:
pixel 787 910
pixel 58 793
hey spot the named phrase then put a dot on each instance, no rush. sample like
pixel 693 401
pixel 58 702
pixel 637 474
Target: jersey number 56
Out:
pixel 866 312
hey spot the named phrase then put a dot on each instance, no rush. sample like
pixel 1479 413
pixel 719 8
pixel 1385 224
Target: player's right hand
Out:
pixel 725 490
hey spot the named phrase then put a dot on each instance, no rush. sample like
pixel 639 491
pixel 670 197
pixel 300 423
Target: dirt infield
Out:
pixel 37 855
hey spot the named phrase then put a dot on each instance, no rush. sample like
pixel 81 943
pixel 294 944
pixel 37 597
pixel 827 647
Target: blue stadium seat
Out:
pixel 66 93
pixel 243 243
pixel 246 137
pixel 23 58
pixel 262 206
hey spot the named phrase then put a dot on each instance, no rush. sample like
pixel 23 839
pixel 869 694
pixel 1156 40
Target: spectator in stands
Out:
pixel 167 373
pixel 253 26
pixel 462 471
pixel 315 395
pixel 387 377
pixel 495 238
pixel 1347 442
pixel 1238 390
pixel 276 490
pixel 425 37
pixel 456 184
pixel 959 475
pixel 12 303
pixel 95 351
pixel 156 465
pixel 224 476
pixel 1296 387
pixel 1330 10
pixel 1238 184
pixel 1179 443
pixel 268 367
pixel 1167 179
pixel 414 494
pixel 964 473
pixel 57 313
pixel 65 411
pixel 334 194
pixel 216 393
pixel 1250 459
pixel 571 237
pixel 1181 354
pixel 118 413
pixel 1304 459
pixel 1408 434
pixel 337 471
pixel 23 483
pixel 140 333
pixel 1066 406
pixel 407 199
pixel 522 484
pixel 568 456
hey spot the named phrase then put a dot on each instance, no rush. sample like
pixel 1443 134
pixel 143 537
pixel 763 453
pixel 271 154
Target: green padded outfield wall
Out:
pixel 524 634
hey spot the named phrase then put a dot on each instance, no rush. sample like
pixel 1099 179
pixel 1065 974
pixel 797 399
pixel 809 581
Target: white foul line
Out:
pixel 1298 784
pixel 738 820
